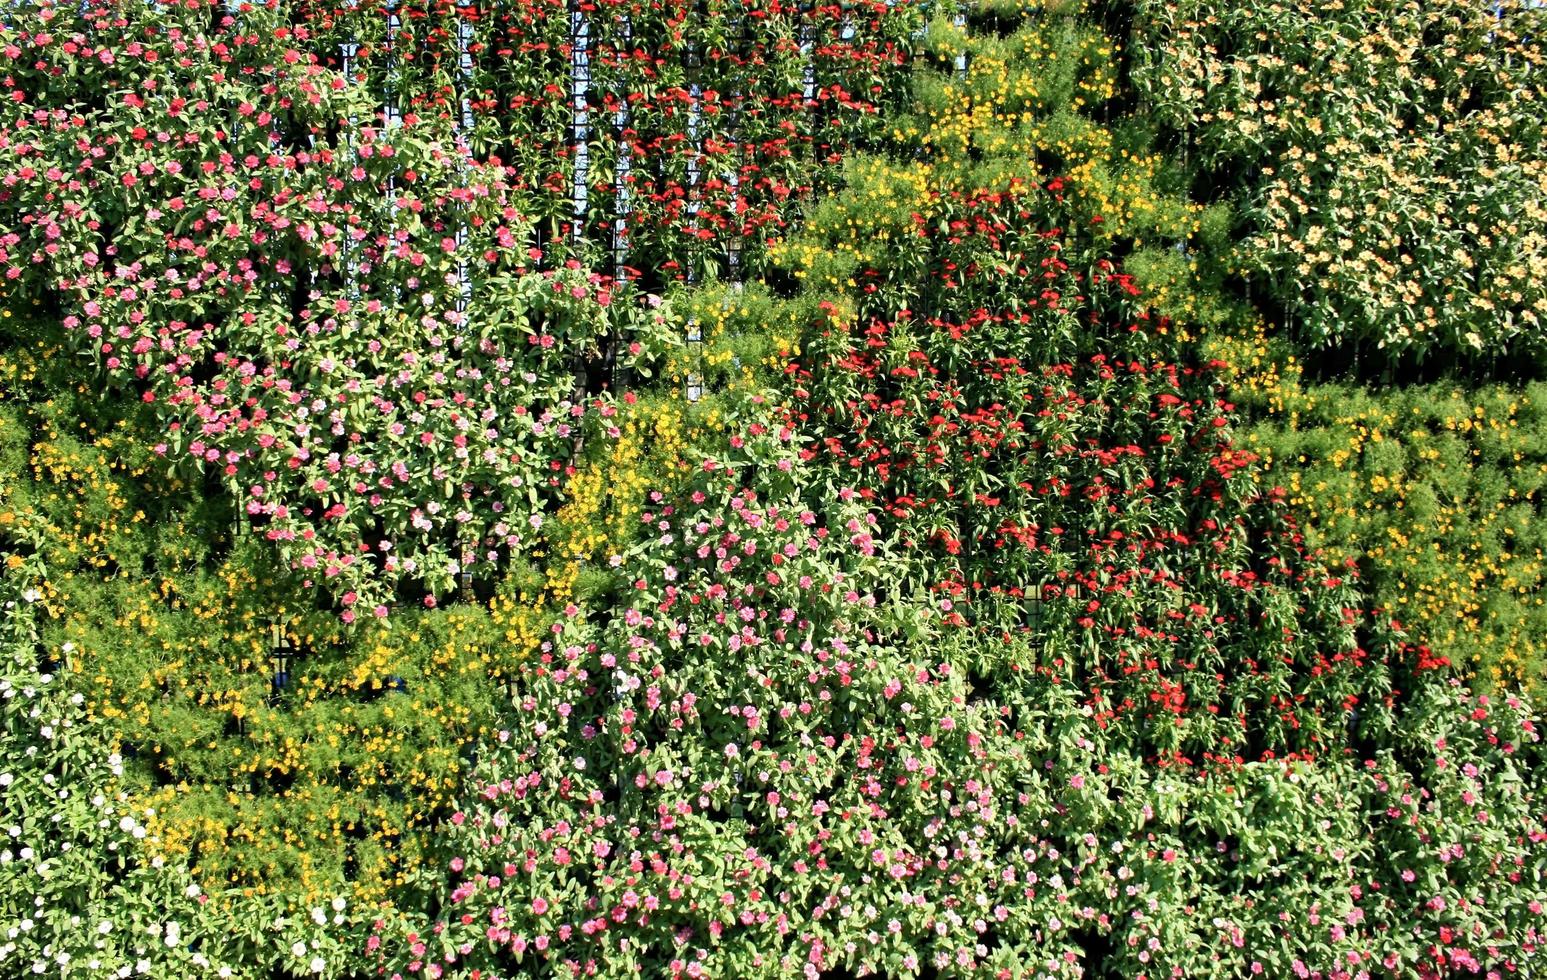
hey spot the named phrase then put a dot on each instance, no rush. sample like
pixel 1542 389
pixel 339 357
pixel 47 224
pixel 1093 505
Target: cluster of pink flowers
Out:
pixel 758 760
pixel 329 318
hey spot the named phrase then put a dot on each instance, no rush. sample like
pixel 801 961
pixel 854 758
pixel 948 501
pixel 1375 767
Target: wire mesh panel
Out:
pixel 391 111
pixel 580 89
pixel 694 62
pixel 622 203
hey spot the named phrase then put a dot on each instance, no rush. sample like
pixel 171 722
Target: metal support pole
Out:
pixel 580 117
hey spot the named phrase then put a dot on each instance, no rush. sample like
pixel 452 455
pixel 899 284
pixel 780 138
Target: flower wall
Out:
pixel 756 490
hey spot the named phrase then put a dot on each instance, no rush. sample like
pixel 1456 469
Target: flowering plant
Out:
pixel 335 321
pixel 1400 206
pixel 848 797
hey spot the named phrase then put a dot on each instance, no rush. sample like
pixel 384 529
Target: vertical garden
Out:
pixel 744 488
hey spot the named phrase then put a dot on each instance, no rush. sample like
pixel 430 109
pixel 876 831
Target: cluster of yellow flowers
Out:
pixel 367 742
pixel 1400 197
pixel 1432 491
pixel 604 498
pixel 1030 106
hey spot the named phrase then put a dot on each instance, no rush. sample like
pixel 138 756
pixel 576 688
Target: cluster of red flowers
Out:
pixel 1067 479
pixel 676 137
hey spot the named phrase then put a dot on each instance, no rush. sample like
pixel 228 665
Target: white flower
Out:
pixel 192 891
pixel 318 964
pixel 298 948
pixel 319 916
pixel 579 762
pixel 104 927
pixel 339 903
